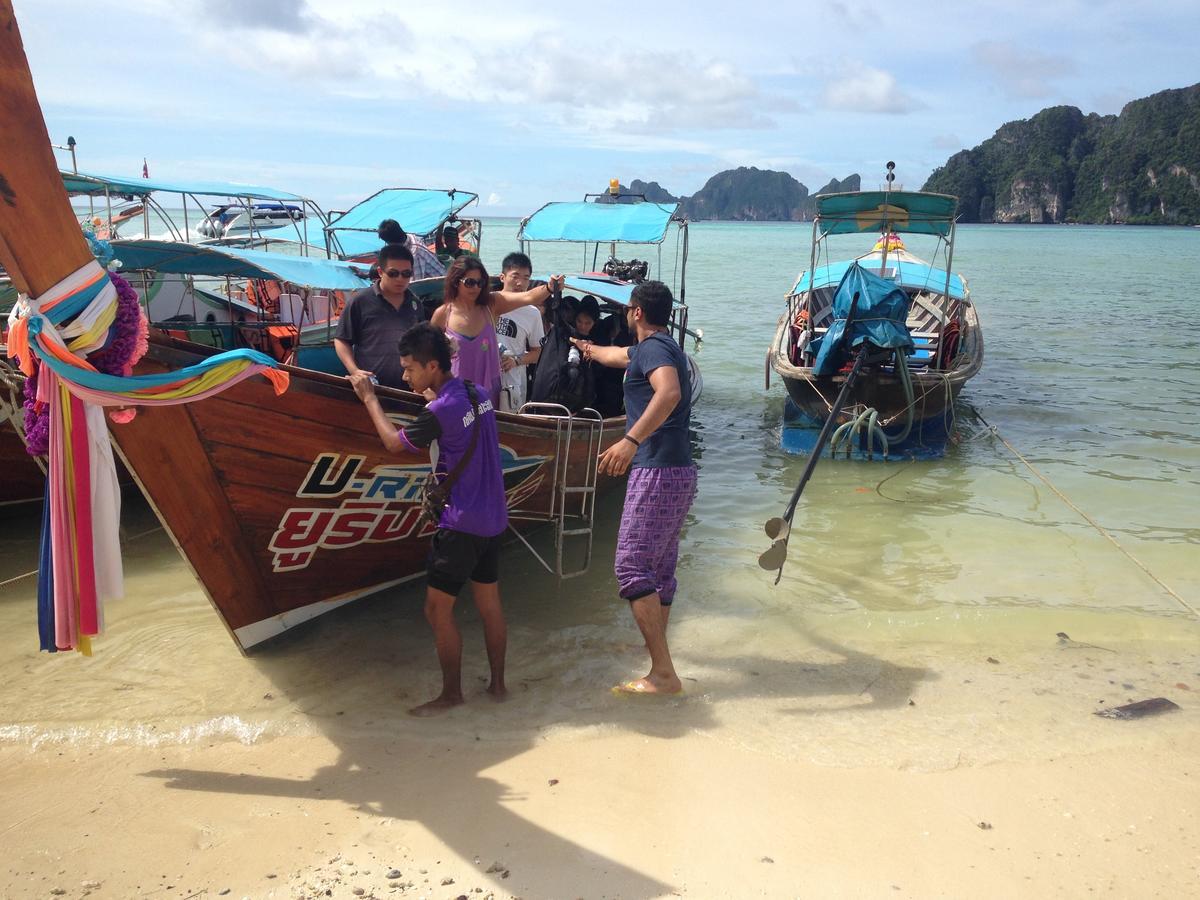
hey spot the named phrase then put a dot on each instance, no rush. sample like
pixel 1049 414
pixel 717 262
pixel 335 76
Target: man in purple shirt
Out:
pixel 466 546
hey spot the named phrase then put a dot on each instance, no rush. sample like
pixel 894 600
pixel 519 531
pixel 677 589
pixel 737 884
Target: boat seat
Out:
pixel 924 352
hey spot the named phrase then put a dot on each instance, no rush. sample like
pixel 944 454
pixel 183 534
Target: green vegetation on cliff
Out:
pixel 746 194
pixel 1141 167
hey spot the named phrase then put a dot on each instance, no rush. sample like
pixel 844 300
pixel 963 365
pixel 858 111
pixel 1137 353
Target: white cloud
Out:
pixel 272 15
pixel 494 199
pixel 862 88
pixel 1022 72
pixel 946 142
pixel 348 52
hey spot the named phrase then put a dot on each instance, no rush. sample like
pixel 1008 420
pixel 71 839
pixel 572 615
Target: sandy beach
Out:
pixel 624 815
pixel 827 766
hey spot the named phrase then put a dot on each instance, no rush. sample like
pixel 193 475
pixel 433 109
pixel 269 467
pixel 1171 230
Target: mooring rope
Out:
pixel 23 575
pixel 1104 532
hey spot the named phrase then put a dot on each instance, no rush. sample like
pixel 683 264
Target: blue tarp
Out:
pixel 625 223
pixel 911 275
pixel 82 183
pixel 879 318
pixel 177 258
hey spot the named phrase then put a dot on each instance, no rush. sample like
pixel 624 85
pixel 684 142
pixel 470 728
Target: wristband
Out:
pixel 633 440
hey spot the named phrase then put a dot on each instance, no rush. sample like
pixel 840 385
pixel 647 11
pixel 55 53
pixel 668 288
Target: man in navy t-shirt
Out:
pixel 662 478
pixel 466 546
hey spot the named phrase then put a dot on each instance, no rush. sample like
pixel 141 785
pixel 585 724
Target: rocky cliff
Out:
pixel 1140 167
pixel 746 194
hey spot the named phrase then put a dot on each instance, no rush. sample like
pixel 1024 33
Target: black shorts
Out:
pixel 457 557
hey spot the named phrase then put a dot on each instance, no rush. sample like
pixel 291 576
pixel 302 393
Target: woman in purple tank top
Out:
pixel 468 313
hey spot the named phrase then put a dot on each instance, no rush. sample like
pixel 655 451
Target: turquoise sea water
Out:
pixel 1092 369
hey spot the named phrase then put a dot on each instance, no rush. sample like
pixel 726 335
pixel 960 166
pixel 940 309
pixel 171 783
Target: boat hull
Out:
pixel 287 506
pixel 23 480
pixel 934 394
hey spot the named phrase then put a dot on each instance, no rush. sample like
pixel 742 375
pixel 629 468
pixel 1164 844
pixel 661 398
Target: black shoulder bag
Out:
pixel 436 494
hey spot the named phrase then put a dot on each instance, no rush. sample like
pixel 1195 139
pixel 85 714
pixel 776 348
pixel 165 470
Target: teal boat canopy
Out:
pixel 912 275
pixel 912 212
pixel 80 183
pixel 625 223
pixel 178 258
pixel 419 211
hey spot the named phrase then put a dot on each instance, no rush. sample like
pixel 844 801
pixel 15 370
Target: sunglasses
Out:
pixel 472 282
pixel 399 273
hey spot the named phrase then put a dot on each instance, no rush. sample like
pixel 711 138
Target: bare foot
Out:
pixel 498 692
pixel 651 684
pixel 436 706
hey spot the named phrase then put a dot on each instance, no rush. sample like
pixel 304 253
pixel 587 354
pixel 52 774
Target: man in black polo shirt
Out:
pixel 375 319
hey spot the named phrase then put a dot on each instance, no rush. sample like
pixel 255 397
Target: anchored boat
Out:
pixel 902 404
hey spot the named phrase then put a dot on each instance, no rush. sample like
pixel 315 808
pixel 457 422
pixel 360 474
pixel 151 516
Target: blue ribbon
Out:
pixel 45 593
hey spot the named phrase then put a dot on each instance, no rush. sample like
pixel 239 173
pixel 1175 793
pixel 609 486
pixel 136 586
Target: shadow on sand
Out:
pixel 343 673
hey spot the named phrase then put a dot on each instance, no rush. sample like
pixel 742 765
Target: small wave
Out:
pixel 141 734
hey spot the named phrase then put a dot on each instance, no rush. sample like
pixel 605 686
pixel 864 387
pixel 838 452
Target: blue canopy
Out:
pixel 177 258
pixel 907 274
pixel 78 183
pixel 879 318
pixel 418 210
pixel 626 223
pixel 600 286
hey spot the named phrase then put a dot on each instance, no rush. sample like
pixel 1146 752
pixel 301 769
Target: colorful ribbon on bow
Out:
pixel 80 559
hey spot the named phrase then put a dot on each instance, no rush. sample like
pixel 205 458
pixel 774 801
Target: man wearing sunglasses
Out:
pixel 377 317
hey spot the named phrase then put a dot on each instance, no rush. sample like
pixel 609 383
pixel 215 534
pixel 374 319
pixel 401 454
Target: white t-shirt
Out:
pixel 517 331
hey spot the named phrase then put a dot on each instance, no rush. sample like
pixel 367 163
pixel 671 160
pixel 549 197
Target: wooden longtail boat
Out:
pixel 285 507
pixel 904 406
pixel 288 506
pixel 22 479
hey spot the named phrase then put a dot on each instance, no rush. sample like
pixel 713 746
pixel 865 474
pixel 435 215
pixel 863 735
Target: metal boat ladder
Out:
pixel 572 505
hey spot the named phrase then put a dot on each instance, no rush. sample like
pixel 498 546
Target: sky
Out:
pixel 524 102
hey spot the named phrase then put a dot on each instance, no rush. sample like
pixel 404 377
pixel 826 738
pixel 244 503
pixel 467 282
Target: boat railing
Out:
pixel 570 505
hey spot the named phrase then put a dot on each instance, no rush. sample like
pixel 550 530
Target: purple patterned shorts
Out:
pixel 656 502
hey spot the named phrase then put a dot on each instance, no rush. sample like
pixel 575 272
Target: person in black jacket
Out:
pixel 562 376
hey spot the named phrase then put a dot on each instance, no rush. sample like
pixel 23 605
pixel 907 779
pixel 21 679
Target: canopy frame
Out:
pixel 673 218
